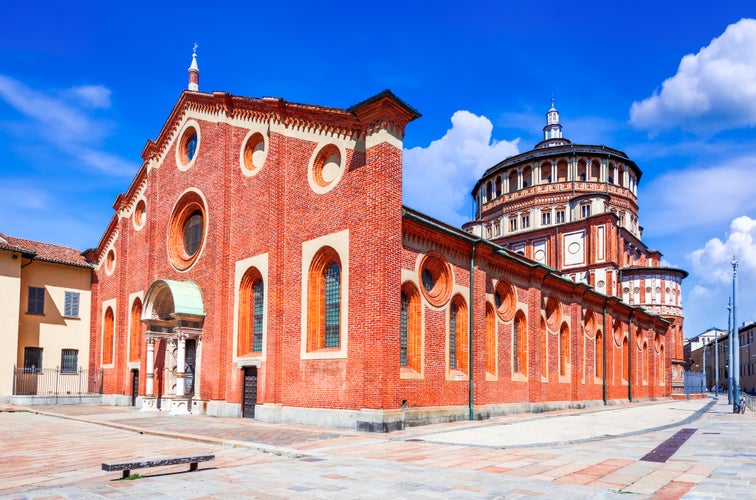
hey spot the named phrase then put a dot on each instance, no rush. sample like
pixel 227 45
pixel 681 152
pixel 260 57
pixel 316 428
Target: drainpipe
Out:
pixel 630 357
pixel 470 366
pixel 603 358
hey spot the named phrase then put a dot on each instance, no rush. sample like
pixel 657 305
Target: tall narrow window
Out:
pixel 662 366
pixel 458 335
pixel 585 211
pixel 257 328
pixel 520 344
pixel 490 339
pixel 564 350
pixel 108 326
pixel 410 335
pixel 251 307
pixel 36 301
pixel 560 216
pixel 644 363
pixel 599 355
pixel 324 301
pixel 332 277
pixel 69 360
pixel 71 305
pixel 135 331
pixel 544 349
pixel 624 361
pixel 453 336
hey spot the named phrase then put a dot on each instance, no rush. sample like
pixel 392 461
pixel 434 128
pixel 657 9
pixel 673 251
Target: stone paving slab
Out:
pixel 43 456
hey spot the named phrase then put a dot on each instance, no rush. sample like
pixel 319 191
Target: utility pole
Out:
pixel 729 350
pixel 716 363
pixel 735 338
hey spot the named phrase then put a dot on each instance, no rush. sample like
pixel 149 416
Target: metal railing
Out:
pixel 748 401
pixel 33 381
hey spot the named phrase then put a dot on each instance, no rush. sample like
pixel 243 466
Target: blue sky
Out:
pixel 84 85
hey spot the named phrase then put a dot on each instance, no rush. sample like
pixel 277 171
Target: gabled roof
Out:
pixel 46 252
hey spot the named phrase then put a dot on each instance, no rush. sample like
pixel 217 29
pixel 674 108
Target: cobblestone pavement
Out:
pixel 57 453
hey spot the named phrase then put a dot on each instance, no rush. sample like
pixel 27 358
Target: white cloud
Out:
pixel 61 121
pixel 438 179
pixel 93 96
pixel 712 195
pixel 712 90
pixel 712 263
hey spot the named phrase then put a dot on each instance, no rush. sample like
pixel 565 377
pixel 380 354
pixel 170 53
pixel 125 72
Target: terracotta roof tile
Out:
pixel 44 251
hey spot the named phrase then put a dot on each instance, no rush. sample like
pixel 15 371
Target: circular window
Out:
pixel 553 313
pixel 505 299
pixel 186 234
pixel 140 214
pixel 253 153
pixel 110 262
pixel 186 153
pixel 436 279
pixel 326 169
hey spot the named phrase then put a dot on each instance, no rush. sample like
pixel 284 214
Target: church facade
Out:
pixel 262 264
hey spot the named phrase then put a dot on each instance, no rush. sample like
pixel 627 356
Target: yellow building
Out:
pixel 45 303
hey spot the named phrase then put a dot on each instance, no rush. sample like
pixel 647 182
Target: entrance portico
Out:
pixel 174 314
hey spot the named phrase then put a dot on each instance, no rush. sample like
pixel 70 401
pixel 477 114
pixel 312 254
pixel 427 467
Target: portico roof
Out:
pixel 171 300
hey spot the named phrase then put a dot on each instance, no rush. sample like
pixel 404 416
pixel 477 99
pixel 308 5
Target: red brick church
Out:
pixel 262 264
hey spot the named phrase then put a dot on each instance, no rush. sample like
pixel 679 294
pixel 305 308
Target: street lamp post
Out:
pixel 729 350
pixel 716 363
pixel 735 360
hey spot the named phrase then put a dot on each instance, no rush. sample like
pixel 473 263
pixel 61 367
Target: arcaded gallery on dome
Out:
pixel 261 264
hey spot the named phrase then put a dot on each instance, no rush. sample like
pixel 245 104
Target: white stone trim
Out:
pixel 339 241
pixel 259 262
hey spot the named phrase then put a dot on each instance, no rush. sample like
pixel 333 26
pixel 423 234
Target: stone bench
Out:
pixel 127 467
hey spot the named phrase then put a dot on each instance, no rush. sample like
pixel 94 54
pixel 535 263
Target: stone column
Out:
pixel 150 383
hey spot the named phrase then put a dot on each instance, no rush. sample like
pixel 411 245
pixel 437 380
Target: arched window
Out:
pixel 410 352
pixel 599 355
pixel 135 331
pixel 544 349
pixel 595 172
pixel 564 349
pixel 512 181
pixel 562 171
pixel 108 328
pixel 324 301
pixel 251 307
pixel 490 339
pixel 520 344
pixel 458 335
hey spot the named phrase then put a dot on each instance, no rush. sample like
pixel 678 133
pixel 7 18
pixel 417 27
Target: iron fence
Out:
pixel 34 381
pixel 749 401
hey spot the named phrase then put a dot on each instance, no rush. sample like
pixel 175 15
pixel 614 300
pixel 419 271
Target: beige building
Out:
pixel 45 303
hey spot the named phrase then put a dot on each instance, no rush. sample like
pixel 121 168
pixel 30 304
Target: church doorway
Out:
pixel 249 399
pixel 191 363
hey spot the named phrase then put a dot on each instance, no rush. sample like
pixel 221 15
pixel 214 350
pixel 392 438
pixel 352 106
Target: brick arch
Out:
pixel 251 303
pixel 411 328
pixel 324 296
pixel 135 331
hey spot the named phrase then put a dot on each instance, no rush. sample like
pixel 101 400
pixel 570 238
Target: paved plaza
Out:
pixel 57 452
